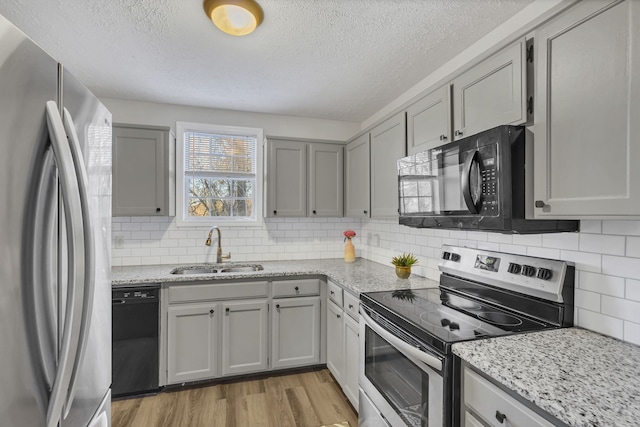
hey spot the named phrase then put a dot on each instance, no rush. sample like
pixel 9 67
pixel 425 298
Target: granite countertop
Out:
pixel 580 377
pixel 359 276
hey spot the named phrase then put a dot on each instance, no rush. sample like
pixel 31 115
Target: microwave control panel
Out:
pixel 489 180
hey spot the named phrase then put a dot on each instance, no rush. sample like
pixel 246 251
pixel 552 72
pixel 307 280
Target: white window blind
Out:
pixel 219 173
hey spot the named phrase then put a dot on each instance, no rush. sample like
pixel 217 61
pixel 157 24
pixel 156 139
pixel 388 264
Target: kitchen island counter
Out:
pixel 580 377
pixel 359 276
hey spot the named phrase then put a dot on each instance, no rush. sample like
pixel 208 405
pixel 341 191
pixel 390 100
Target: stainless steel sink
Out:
pixel 217 269
pixel 242 269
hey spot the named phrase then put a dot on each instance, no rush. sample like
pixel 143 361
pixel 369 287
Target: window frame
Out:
pixel 182 219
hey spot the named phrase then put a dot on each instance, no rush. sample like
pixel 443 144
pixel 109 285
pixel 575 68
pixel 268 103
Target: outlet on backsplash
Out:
pixel 118 242
pixel 373 239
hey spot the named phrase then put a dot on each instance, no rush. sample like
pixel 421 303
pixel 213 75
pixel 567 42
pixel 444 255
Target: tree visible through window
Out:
pixel 219 174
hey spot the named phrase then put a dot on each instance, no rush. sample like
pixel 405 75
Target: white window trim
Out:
pixel 181 221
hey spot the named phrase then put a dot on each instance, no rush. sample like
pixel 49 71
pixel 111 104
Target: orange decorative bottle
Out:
pixel 349 252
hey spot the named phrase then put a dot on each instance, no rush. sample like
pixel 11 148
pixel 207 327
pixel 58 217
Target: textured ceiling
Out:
pixel 333 59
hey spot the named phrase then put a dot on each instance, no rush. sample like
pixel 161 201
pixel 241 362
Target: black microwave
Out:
pixel 476 183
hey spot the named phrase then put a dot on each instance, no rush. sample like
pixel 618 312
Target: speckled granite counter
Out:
pixel 360 276
pixel 580 377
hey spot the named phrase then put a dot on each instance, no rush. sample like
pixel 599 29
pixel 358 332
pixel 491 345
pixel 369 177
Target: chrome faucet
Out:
pixel 219 256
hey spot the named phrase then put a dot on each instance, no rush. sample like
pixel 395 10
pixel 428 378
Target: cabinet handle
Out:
pixel 211 311
pixel 227 310
pixel 540 204
pixel 443 137
pixel 331 292
pixel 365 212
pixel 338 316
pixel 278 306
pixel 158 209
pixel 296 289
pixel 351 306
pixel 275 212
pixel 500 417
pixel 314 212
pixel 458 133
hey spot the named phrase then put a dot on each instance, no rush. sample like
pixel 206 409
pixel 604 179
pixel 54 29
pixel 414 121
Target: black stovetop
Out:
pixel 441 318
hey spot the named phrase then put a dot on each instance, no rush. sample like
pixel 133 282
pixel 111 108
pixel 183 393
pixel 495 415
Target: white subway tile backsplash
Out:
pixel 621 266
pixel 600 283
pixel 600 323
pixel 605 253
pixel 602 243
pixel 566 241
pixel 625 228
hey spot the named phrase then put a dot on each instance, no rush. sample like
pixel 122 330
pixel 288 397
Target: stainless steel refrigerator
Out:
pixel 55 226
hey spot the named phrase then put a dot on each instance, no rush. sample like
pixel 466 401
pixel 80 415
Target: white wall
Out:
pixel 149 113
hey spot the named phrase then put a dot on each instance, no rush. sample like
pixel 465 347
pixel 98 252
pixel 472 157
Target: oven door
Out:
pixel 402 379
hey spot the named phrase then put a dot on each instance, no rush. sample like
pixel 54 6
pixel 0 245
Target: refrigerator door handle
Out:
pixel 89 254
pixel 75 243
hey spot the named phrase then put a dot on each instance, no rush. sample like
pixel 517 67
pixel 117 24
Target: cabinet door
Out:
pixel 357 178
pixel 140 171
pixel 351 359
pixel 192 342
pixel 286 179
pixel 295 331
pixel 326 186
pixel 388 145
pixel 492 93
pixel 244 337
pixel 587 108
pixel 335 342
pixel 429 121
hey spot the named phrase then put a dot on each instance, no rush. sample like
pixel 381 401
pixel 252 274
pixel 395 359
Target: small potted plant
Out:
pixel 403 264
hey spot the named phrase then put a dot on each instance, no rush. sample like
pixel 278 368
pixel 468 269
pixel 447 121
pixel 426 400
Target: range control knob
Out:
pixel 528 270
pixel 455 257
pixel 446 255
pixel 445 322
pixel 544 274
pixel 514 268
pixel 454 326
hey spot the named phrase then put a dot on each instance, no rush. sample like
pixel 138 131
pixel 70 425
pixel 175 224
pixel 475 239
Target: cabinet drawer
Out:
pixel 295 288
pixel 491 403
pixel 351 305
pixel 190 293
pixel 335 293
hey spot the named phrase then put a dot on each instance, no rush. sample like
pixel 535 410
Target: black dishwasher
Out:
pixel 135 340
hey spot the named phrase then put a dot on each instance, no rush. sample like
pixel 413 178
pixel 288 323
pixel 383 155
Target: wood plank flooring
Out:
pixel 304 399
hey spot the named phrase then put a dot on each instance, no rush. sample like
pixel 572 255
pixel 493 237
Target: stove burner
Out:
pixel 498 318
pixel 464 305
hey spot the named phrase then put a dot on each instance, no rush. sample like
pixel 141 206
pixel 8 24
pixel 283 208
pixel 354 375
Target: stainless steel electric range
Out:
pixel 407 372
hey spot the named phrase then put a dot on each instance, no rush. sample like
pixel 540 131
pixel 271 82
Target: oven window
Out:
pixel 399 380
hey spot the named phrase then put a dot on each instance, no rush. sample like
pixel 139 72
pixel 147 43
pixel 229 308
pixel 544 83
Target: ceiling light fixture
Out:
pixel 235 17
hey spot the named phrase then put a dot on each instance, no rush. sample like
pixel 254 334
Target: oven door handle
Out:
pixel 404 347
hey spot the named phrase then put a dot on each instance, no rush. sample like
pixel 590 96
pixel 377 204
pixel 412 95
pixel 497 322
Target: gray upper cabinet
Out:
pixel 588 104
pixel 304 179
pixel 388 142
pixel 357 179
pixel 326 171
pixel 286 179
pixel 429 121
pixel 143 171
pixel 492 93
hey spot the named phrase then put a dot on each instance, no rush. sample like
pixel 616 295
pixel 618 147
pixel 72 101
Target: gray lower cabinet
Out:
pixel 335 342
pixel 295 328
pixel 244 336
pixel 483 400
pixel 343 341
pixel 357 178
pixel 388 145
pixel 587 108
pixel 192 345
pixel 143 171
pixel 492 93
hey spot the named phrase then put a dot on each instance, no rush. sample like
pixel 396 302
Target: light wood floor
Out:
pixel 306 399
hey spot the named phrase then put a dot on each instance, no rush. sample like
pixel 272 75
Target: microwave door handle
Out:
pixel 404 347
pixel 466 182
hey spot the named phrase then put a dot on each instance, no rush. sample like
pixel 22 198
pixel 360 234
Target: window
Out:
pixel 217 176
